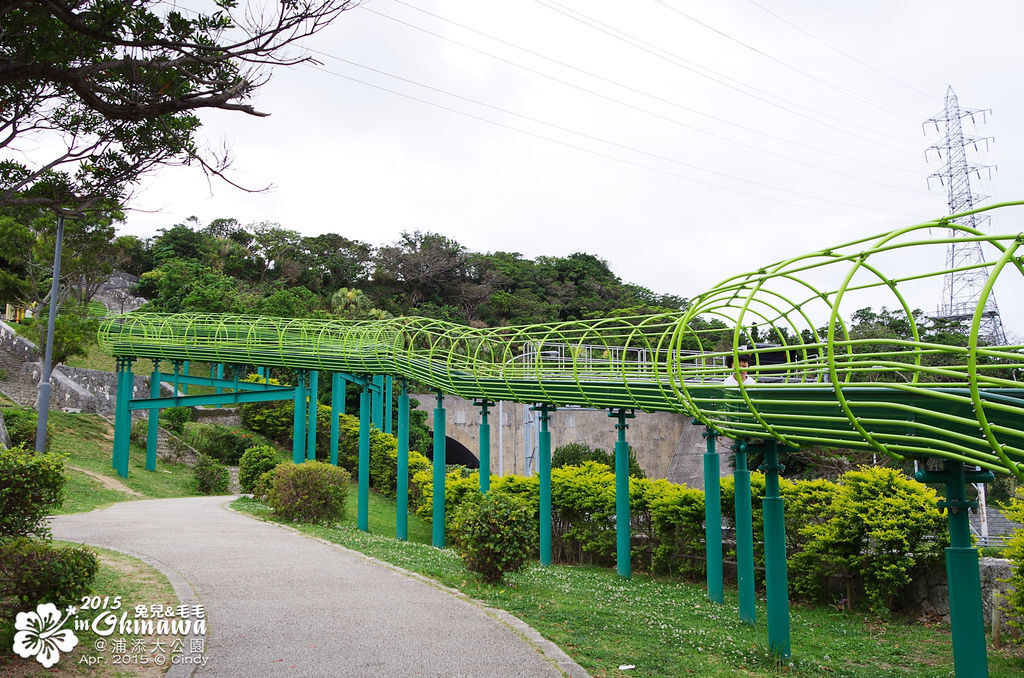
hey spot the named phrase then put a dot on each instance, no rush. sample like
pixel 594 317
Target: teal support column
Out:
pixel 963 578
pixel 485 446
pixel 220 375
pixel 440 442
pixel 123 416
pixel 544 473
pixel 337 409
pixel 377 401
pixel 402 479
pixel 744 537
pixel 154 418
pixel 623 540
pixel 176 364
pixel 184 388
pixel 713 517
pixel 389 385
pixel 363 507
pixel 299 420
pixel 261 372
pixel 314 387
pixel 775 572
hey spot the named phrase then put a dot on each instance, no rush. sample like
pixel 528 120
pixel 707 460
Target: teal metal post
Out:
pixel 485 446
pixel 299 421
pixel 623 554
pixel 775 573
pixel 713 517
pixel 154 418
pixel 220 375
pixel 377 401
pixel 389 385
pixel 402 479
pixel 314 387
pixel 544 471
pixel 184 388
pixel 744 537
pixel 440 439
pixel 337 408
pixel 363 508
pixel 963 578
pixel 123 416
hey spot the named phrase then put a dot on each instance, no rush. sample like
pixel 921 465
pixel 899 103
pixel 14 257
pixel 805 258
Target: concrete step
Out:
pixel 24 394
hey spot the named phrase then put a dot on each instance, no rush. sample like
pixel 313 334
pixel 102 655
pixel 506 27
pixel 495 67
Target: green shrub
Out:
pixel 879 527
pixel 33 572
pixel 174 418
pixel 583 513
pixel 575 454
pixel 1013 598
pixel 494 534
pixel 224 443
pixel 139 432
pixel 211 476
pixel 31 486
pixel 256 461
pixel 677 520
pixel 311 492
pixel 21 425
pixel 261 488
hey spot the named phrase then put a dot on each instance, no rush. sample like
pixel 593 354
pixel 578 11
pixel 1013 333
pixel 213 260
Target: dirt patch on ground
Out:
pixel 106 481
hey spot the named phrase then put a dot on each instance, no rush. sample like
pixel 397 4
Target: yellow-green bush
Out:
pixel 31 486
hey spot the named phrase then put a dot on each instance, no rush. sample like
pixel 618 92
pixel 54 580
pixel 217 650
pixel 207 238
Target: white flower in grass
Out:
pixel 41 633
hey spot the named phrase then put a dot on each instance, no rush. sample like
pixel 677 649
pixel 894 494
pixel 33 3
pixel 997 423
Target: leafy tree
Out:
pixel 114 87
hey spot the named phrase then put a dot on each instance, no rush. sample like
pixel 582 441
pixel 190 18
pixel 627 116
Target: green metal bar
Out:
pixel 314 387
pixel 776 583
pixel 184 380
pixel 123 416
pixel 713 518
pixel 337 409
pixel 299 419
pixel 276 393
pixel 623 554
pixel 363 508
pixel 485 446
pixel 154 418
pixel 389 383
pixel 544 473
pixel 744 537
pixel 402 480
pixel 440 443
pixel 963 577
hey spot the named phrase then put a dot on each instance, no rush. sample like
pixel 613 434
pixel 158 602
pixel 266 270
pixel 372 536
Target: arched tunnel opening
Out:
pixel 455 453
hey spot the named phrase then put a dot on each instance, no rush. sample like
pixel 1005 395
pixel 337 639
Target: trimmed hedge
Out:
pixel 211 476
pixel 311 492
pixel 256 461
pixel 496 535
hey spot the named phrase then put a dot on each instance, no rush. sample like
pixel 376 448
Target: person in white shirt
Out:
pixel 742 364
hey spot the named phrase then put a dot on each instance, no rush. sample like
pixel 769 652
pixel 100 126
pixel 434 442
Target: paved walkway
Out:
pixel 282 604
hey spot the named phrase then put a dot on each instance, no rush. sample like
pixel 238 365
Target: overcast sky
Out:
pixel 682 141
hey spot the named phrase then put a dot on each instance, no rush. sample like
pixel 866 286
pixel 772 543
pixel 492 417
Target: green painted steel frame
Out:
pixel 951 402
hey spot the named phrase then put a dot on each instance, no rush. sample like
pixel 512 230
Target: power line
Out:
pixel 832 47
pixel 880 105
pixel 638 91
pixel 721 78
pixel 603 154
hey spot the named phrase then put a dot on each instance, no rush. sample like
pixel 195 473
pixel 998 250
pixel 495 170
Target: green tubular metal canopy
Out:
pixel 820 380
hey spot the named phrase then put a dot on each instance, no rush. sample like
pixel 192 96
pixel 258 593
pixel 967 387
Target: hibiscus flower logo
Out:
pixel 42 633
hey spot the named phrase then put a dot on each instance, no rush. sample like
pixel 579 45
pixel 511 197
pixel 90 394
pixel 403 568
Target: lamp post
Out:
pixel 44 382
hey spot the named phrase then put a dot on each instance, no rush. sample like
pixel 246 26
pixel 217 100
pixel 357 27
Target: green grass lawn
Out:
pixel 87 440
pixel 664 627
